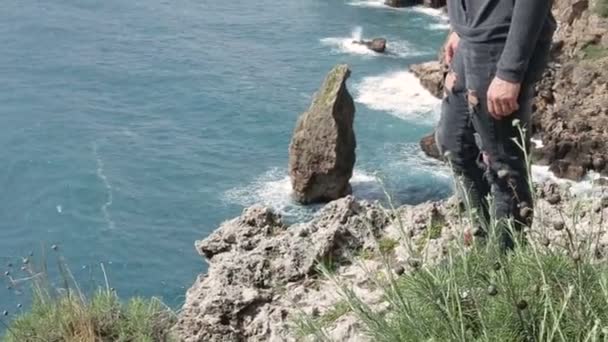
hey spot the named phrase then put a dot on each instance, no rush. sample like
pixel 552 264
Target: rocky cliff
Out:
pixel 405 3
pixel 264 276
pixel 571 110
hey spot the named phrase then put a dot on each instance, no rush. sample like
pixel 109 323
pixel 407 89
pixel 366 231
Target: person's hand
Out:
pixel 450 47
pixel 502 98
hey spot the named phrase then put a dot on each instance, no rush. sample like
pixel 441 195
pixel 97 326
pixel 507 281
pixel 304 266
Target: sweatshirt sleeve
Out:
pixel 528 20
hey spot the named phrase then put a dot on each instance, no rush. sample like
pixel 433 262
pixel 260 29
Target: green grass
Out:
pixel 67 315
pixel 533 295
pixel 601 8
pixel 387 245
pixel 595 52
pixel 307 325
pixel 482 294
pixel 433 232
pixel 553 291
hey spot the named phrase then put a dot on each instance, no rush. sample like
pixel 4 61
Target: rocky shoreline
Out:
pixel 264 275
pixel 571 110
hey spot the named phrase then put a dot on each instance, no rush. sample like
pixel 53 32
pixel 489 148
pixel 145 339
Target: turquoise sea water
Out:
pixel 129 129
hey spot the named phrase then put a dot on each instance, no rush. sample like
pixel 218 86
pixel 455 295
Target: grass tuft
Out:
pixel 65 314
pixel 594 52
pixel 601 8
pixel 543 290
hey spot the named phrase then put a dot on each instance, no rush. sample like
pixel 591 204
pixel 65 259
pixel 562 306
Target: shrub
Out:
pixel 66 314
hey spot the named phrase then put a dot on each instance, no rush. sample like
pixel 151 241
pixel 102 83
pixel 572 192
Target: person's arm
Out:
pixel 529 17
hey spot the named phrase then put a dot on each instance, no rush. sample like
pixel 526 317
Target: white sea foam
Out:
pixel 399 93
pixel 442 23
pixel 432 12
pixel 436 14
pixel 588 186
pixel 106 183
pixel 440 26
pixel 274 190
pixel 373 4
pixel 537 143
pixel 59 209
pixel 409 158
pixel 346 45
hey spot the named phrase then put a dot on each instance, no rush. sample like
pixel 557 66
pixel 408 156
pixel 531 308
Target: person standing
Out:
pixel 496 52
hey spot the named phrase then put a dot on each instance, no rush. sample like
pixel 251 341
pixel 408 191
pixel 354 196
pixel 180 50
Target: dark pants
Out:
pixel 481 149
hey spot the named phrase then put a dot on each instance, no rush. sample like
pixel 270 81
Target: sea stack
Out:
pixel 376 44
pixel 322 150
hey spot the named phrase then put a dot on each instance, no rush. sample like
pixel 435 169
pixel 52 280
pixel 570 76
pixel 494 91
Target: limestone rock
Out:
pixel 428 145
pixel 431 76
pixel 571 116
pixel 376 44
pixel 435 3
pixel 262 274
pixel 401 3
pixel 322 150
pixel 258 268
pixel 406 3
pixel 571 107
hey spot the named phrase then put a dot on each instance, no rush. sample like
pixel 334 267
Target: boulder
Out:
pixel 401 3
pixel 431 76
pixel 264 276
pixel 258 269
pixel 434 3
pixel 322 150
pixel 376 44
pixel 428 145
pixel 406 3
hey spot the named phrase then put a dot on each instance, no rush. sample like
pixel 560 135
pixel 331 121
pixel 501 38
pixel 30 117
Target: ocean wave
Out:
pixel 440 26
pixel 274 190
pixel 432 12
pixel 442 23
pixel 436 14
pixel 586 187
pixel 398 93
pixel 373 4
pixel 394 48
pixel 409 160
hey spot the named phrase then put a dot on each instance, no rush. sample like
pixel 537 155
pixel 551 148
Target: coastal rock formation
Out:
pixel 264 276
pixel 401 3
pixel 572 102
pixel 261 274
pixel 428 145
pixel 376 44
pixel 431 76
pixel 571 109
pixel 322 150
pixel 434 3
pixel 406 3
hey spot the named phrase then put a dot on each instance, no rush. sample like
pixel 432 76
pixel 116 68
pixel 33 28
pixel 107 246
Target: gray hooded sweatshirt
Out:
pixel 522 25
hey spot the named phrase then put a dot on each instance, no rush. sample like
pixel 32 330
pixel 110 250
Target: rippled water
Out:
pixel 129 129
